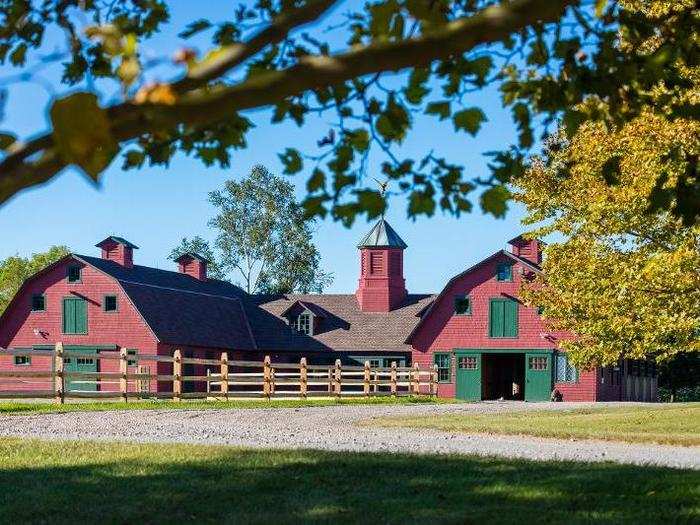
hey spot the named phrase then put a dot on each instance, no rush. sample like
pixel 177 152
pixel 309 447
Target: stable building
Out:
pixel 486 343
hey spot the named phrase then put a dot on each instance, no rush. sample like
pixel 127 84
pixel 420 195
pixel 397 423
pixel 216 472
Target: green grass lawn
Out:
pixel 11 408
pixel 70 482
pixel 667 424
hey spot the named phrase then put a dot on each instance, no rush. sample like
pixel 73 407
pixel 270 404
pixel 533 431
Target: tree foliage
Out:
pixel 200 246
pixel 626 279
pixel 602 61
pixel 15 269
pixel 264 236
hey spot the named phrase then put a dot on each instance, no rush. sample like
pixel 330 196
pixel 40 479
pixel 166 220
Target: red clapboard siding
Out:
pixel 124 328
pixel 443 331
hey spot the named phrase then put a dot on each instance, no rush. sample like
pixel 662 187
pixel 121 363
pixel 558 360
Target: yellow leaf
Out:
pixel 82 134
pixel 156 94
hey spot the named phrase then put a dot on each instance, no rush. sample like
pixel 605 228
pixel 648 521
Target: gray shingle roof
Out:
pixel 382 235
pixel 344 328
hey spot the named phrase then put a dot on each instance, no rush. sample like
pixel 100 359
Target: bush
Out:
pixel 683 394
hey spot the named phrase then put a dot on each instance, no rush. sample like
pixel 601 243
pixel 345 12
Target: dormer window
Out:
pixel 302 323
pixel 304 317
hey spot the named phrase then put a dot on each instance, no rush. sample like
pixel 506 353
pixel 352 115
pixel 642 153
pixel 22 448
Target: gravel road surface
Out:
pixel 335 428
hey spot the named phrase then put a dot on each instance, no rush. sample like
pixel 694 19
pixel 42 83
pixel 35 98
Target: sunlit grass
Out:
pixel 20 408
pixel 666 424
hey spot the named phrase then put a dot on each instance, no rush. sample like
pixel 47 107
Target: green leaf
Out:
pixel 292 161
pixel 133 159
pixel 495 201
pixel 442 109
pixel 317 181
pixel 19 55
pixel 371 202
pixel 469 120
pixel 194 27
pixel 7 140
pixel 82 133
pixel 358 139
pixel 393 122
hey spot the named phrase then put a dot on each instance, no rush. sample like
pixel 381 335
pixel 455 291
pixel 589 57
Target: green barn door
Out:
pixel 538 377
pixel 88 363
pixel 469 376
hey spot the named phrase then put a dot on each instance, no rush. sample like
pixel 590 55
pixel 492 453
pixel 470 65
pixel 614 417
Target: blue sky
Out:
pixel 155 207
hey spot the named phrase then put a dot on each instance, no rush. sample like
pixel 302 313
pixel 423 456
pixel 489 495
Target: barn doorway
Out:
pixel 503 376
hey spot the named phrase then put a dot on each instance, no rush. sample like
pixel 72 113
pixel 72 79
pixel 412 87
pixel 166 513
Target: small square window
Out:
pixel 38 302
pixel 504 272
pixel 23 360
pixel 131 362
pixel 74 274
pixel 463 305
pixel 537 363
pixel 110 303
pixel 468 363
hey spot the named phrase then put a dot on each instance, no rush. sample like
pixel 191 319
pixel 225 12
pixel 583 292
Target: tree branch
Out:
pixel 217 103
pixel 234 55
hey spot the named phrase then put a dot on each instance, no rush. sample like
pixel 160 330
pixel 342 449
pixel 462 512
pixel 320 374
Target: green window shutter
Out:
pixel 81 316
pixel 74 315
pixel 496 318
pixel 503 318
pixel 68 316
pixel 510 323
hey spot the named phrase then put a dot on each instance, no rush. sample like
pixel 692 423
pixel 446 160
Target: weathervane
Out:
pixel 382 186
pixel 382 189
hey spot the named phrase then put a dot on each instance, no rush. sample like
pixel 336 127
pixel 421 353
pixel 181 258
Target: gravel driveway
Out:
pixel 335 428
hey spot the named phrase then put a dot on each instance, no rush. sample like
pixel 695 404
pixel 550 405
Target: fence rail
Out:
pixel 229 379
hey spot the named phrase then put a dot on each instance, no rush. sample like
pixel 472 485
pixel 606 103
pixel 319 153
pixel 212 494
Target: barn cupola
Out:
pixel 193 265
pixel 118 250
pixel 528 249
pixel 382 286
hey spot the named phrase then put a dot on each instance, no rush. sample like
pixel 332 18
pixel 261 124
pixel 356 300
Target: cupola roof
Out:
pixel 382 235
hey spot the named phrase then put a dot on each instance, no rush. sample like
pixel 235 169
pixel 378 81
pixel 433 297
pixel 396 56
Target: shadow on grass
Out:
pixel 109 483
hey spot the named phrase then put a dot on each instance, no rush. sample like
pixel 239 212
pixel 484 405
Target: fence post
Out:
pixel 337 375
pixel 366 378
pixel 303 377
pixel 433 380
pixel 59 379
pixel 177 375
pixel 123 371
pixel 416 368
pixel 393 378
pixel 267 372
pixel 224 375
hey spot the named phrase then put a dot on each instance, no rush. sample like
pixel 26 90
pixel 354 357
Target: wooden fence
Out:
pixel 231 379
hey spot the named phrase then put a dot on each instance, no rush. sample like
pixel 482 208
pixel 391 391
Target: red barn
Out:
pixel 486 343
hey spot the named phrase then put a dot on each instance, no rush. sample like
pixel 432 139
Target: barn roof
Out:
pixel 344 328
pixel 180 309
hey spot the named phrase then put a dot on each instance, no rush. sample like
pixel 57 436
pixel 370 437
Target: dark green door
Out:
pixel 87 363
pixel 538 376
pixel 469 376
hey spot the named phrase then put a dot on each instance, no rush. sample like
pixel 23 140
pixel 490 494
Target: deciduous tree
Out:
pixel 546 56
pixel 201 247
pixel 264 237
pixel 626 278
pixel 15 269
